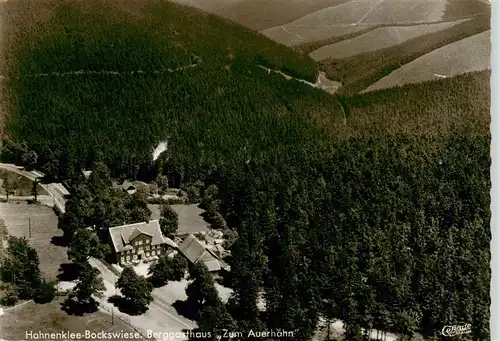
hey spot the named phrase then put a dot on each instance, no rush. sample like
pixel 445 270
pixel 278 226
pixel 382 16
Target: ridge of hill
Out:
pixel 60 31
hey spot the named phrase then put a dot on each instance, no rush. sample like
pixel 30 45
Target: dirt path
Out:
pixel 109 72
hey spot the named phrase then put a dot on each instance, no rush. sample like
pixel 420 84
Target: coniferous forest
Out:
pixel 372 209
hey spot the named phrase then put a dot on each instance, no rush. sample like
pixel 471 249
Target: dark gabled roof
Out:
pixel 192 248
pixel 195 251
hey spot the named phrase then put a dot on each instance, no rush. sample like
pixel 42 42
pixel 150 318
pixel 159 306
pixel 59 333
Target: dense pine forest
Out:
pixel 373 208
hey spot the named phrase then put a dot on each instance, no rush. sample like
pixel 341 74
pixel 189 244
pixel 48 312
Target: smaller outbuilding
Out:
pixel 194 250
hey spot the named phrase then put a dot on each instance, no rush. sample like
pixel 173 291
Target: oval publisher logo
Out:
pixel 456 330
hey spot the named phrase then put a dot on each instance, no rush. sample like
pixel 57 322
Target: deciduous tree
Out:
pixel 168 269
pixel 169 220
pixel 89 284
pixel 135 289
pixel 85 244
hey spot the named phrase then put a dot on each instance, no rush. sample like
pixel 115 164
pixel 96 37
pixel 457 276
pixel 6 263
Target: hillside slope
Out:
pixel 354 16
pixel 225 102
pixel 450 60
pixel 377 39
pixel 260 14
pixel 106 77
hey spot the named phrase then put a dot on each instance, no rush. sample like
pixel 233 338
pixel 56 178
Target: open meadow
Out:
pixel 44 233
pixel 190 218
pixel 377 39
pixel 353 16
pixel 359 71
pixel 467 55
pixel 260 14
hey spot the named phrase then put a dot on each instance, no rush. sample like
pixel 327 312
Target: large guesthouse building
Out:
pixel 144 242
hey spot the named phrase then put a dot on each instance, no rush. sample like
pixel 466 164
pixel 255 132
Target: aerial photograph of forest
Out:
pixel 245 170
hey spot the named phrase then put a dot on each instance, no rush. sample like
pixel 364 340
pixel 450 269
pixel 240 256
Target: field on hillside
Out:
pixel 377 39
pixel 360 71
pixel 354 16
pixel 18 217
pixel 260 14
pixel 467 55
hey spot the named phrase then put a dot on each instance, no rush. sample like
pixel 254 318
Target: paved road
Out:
pixel 161 317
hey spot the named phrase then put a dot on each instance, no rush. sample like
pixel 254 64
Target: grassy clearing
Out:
pixel 260 14
pixel 44 233
pixel 360 71
pixel 22 186
pixel 377 39
pixel 354 16
pixel 307 48
pixel 49 318
pixel 448 60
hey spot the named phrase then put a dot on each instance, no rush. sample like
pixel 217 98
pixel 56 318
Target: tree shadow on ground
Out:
pixel 110 258
pixel 185 308
pixel 126 306
pixel 206 217
pixel 59 241
pixel 156 283
pixel 68 272
pixel 73 307
pixel 224 278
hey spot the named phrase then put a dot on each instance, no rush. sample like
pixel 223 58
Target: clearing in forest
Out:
pixel 354 16
pixel 379 38
pixel 260 14
pixel 466 55
pixel 41 220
